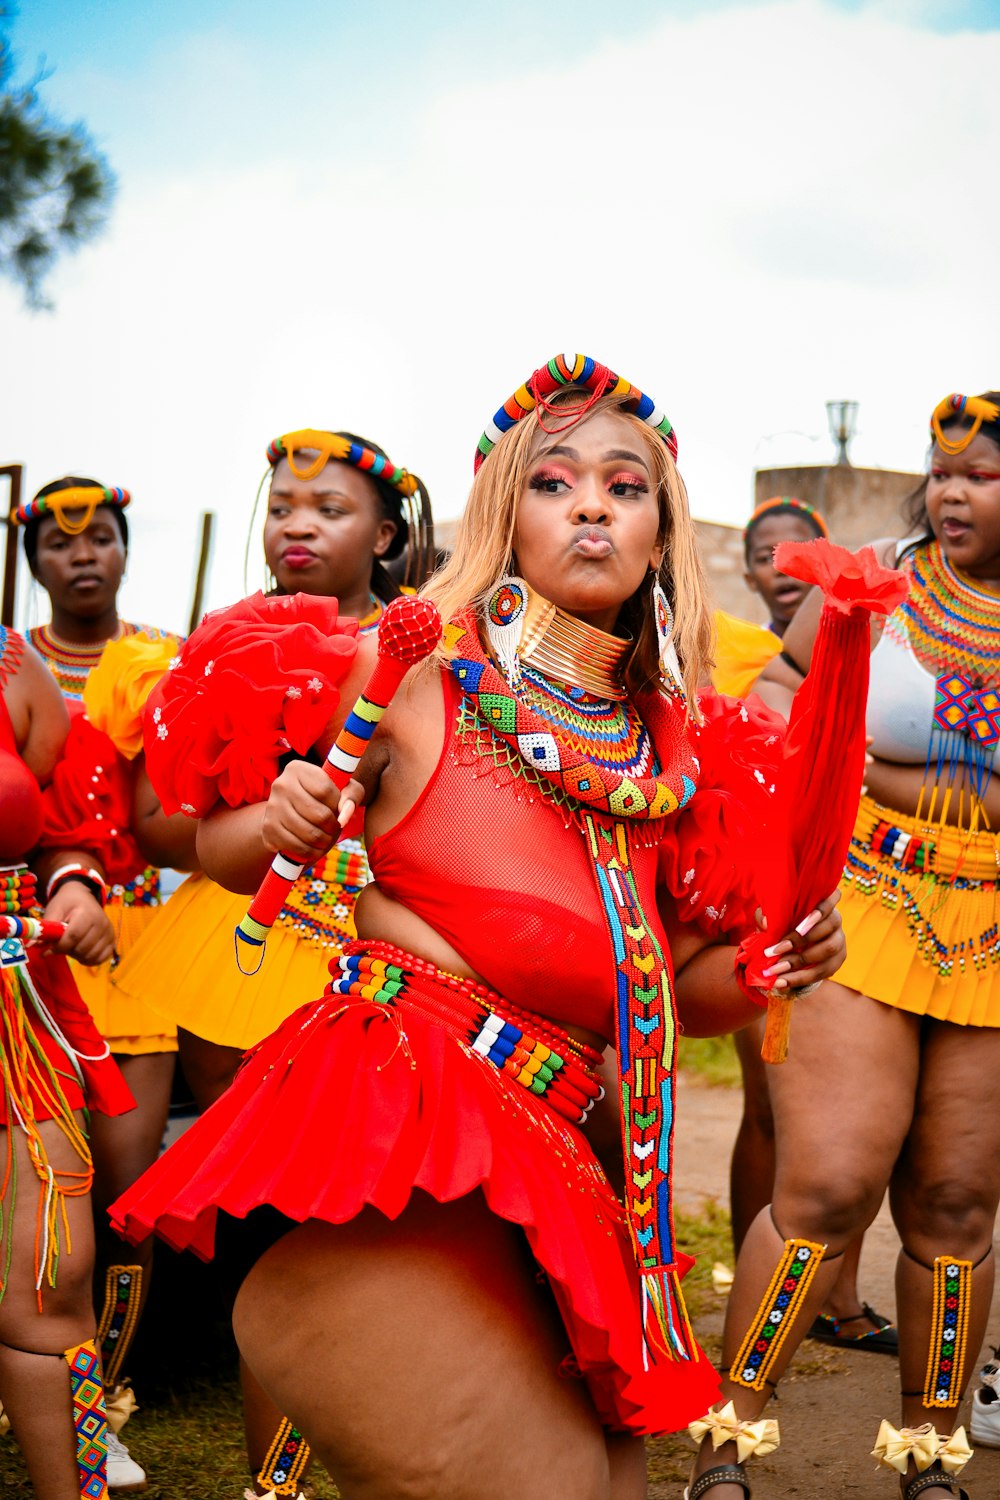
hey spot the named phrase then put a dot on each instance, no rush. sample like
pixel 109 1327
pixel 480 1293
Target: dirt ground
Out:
pixel 831 1402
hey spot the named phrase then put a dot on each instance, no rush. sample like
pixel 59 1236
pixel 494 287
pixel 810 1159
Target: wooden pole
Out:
pixel 14 473
pixel 207 526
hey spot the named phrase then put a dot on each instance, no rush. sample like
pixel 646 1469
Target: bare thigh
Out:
pixel 67 1315
pixel 843 1104
pixel 125 1145
pixel 421 1358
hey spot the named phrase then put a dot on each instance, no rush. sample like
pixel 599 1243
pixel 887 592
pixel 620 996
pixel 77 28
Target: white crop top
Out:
pixel 901 696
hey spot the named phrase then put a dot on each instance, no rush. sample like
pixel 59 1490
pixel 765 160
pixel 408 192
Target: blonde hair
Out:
pixel 485 542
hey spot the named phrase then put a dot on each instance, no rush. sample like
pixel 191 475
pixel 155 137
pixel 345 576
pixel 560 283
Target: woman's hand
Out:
pixel 813 951
pixel 89 936
pixel 305 811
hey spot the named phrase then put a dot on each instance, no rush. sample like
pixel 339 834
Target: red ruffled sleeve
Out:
pixel 88 803
pixel 251 684
pixel 710 858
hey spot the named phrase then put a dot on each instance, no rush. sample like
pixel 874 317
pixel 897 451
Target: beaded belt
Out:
pixel 18 890
pixel 319 908
pixel 530 1050
pixel 143 890
pixel 941 851
pixel 904 849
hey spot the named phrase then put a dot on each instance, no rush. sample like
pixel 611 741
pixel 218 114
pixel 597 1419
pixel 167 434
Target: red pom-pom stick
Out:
pixel 407 633
pixel 31 930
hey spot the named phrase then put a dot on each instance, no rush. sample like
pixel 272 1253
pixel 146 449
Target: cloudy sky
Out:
pixel 383 216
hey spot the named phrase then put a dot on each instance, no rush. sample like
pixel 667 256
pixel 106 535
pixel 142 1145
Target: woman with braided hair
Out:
pixel 337 511
pixel 453 1301
pixel 919 995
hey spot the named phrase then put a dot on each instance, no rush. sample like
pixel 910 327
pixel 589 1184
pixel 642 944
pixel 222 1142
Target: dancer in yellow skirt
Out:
pixel 76 543
pixel 893 1064
pixel 337 511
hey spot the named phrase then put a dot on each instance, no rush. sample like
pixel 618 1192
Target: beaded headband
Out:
pixel 331 447
pixel 786 502
pixel 953 407
pixel 84 498
pixel 565 370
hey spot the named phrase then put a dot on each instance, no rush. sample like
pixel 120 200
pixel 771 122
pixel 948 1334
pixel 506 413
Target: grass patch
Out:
pixel 712 1059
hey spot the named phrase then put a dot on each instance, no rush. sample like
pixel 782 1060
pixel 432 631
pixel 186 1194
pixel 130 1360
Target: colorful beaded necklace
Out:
pixel 597 756
pixel 948 621
pixel 71 665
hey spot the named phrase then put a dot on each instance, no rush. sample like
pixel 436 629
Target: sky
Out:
pixel 383 216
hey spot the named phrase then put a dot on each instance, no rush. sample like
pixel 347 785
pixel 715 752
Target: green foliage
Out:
pixel 55 187
pixel 712 1059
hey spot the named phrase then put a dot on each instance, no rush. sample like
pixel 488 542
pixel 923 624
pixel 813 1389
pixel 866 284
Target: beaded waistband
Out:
pixel 938 849
pixel 319 908
pixel 18 890
pixel 528 1049
pixel 143 890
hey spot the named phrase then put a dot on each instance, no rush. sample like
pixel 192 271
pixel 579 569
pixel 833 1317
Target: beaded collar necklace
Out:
pixel 950 622
pixel 71 664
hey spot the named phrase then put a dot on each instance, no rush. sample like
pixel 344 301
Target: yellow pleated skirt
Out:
pixel 187 971
pixel 128 1022
pixel 920 905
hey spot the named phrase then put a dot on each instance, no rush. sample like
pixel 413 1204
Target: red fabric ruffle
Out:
pixel 849 580
pixel 88 803
pixel 711 855
pixel 343 1106
pixel 252 683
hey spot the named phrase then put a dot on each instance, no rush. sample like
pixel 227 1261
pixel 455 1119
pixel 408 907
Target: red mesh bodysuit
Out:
pixel 518 899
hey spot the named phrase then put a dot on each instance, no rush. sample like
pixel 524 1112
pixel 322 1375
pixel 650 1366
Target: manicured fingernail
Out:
pixel 781 968
pixel 776 949
pixel 808 923
pixel 780 984
pixel 346 812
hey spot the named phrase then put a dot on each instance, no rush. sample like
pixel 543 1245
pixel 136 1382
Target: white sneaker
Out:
pixel 985 1423
pixel 123 1472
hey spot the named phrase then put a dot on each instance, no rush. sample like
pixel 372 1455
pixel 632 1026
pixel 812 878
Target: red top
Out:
pixel 520 903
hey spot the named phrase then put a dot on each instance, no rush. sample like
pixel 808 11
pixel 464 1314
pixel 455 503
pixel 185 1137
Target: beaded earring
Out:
pixel 664 617
pixel 505 611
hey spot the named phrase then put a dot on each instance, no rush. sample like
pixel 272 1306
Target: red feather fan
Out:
pixel 822 768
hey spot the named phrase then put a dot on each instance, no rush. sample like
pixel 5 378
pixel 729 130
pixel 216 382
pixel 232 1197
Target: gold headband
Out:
pixel 955 407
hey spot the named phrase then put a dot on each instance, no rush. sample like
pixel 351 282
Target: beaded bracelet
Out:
pixel 92 879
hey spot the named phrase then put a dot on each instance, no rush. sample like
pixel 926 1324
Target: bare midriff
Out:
pixel 900 787
pixel 378 917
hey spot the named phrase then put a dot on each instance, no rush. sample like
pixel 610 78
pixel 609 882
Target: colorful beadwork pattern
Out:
pixel 951 407
pixel 529 1050
pixel 119 1315
pixel 777 1312
pixel 329 446
pixel 286 1460
pixel 565 370
pixel 11 651
pixel 944 1382
pixel 71 665
pixel 83 497
pixel 951 625
pixel 645 1028
pixel 787 502
pixel 89 1420
pixel 319 908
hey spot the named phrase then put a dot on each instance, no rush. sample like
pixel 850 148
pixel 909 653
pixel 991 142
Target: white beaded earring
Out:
pixel 505 610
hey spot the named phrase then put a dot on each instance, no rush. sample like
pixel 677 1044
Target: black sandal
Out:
pixel 882 1339
pixel 723 1474
pixel 934 1477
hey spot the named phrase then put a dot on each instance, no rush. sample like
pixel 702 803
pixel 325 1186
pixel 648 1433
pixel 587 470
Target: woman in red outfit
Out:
pixel 453 1304
pixel 54 1066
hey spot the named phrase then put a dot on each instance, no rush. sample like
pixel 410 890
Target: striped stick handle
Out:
pixel 408 632
pixel 31 929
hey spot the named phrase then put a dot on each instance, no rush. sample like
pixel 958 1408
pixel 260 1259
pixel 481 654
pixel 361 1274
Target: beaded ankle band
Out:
pixel 533 1052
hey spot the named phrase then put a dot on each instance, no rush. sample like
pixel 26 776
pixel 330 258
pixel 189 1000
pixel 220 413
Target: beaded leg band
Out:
pixel 286 1462
pixel 781 1304
pixel 89 1420
pixel 530 1050
pixel 944 1382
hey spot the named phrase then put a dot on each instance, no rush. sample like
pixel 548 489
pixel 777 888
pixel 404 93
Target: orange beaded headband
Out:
pixel 952 409
pixel 82 498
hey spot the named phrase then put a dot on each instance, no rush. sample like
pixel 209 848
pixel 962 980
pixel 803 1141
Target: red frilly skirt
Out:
pixel 352 1102
pixel 39 1067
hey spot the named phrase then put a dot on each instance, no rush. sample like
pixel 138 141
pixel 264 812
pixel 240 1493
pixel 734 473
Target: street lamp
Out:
pixel 842 417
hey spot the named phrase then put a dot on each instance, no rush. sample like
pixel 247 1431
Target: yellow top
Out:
pixel 742 651
pixel 117 688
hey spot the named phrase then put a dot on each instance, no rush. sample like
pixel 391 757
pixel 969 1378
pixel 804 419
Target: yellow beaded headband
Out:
pixel 84 498
pixel 329 446
pixel 951 409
